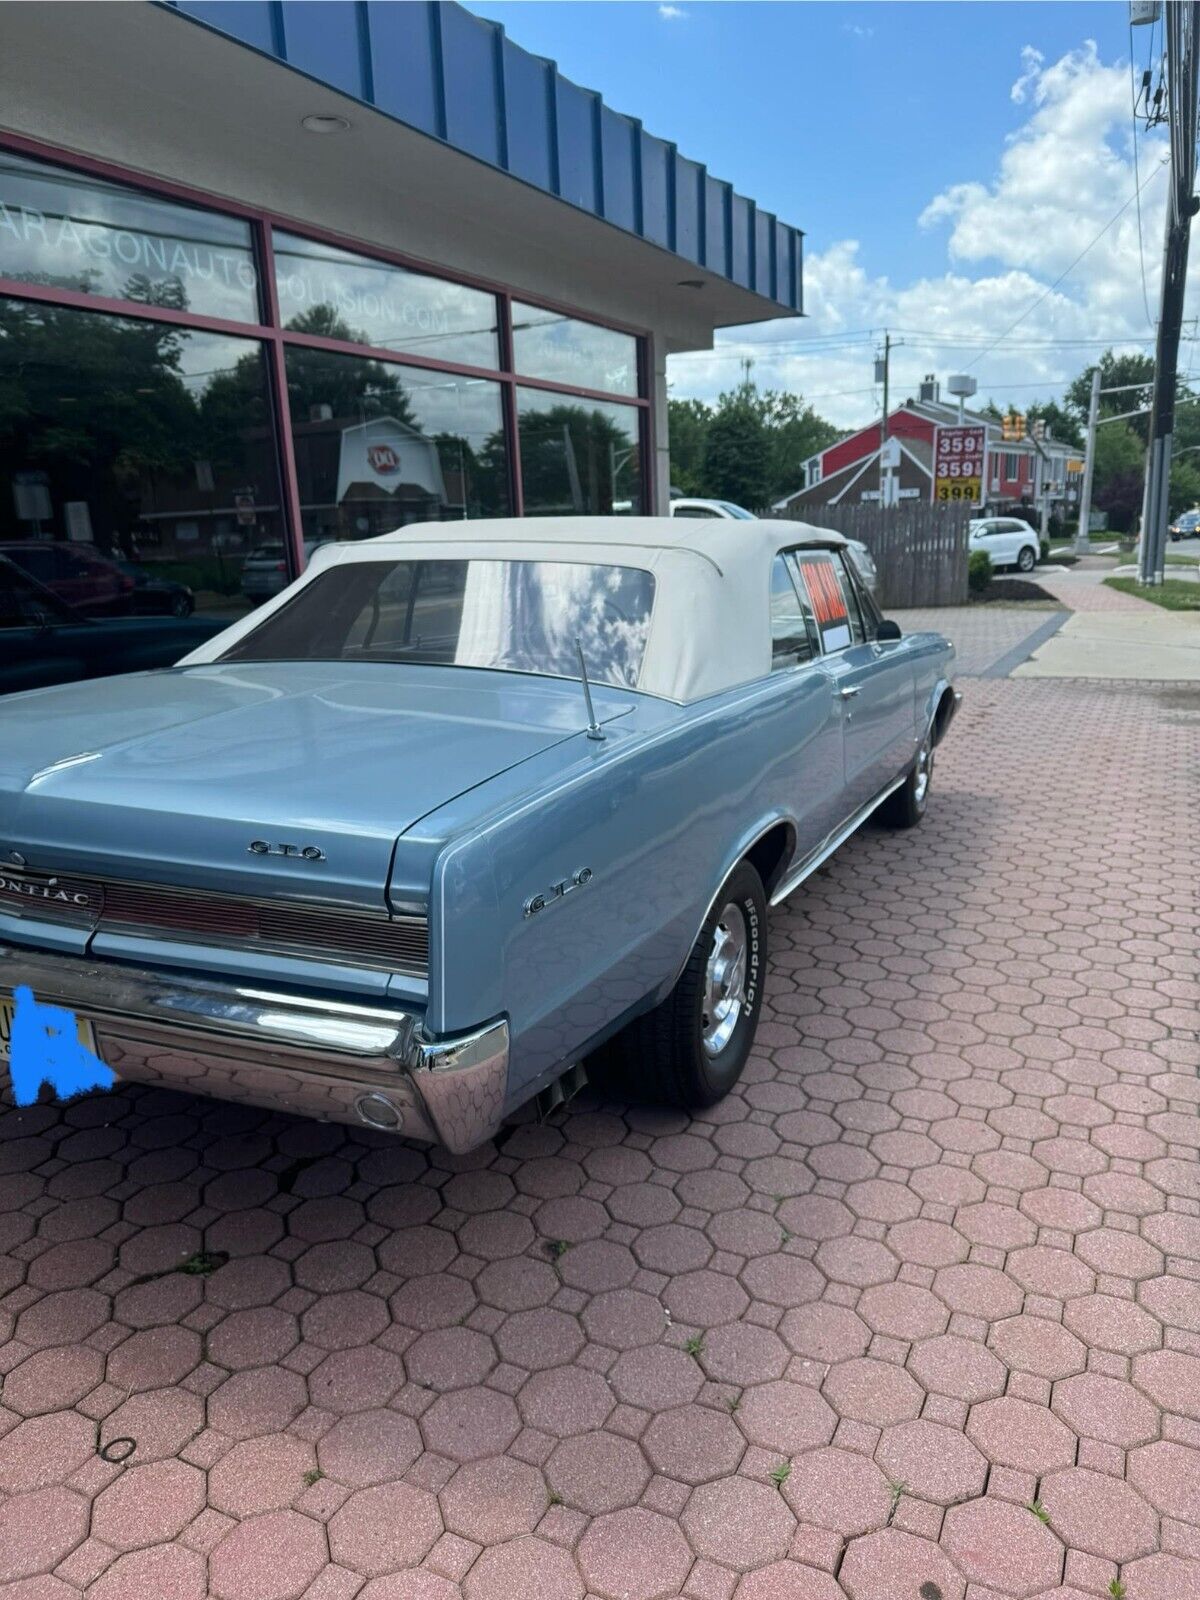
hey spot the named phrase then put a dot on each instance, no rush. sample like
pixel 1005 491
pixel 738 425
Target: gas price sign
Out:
pixel 959 459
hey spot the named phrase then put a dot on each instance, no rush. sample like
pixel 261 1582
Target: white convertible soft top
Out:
pixel 710 629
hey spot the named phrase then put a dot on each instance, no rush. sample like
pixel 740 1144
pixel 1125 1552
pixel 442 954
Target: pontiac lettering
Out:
pixel 51 890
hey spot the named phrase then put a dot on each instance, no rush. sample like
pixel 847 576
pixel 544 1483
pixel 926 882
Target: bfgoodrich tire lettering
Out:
pixel 691 1049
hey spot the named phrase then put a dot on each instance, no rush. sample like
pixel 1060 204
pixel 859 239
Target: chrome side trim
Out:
pixel 822 853
pixel 276 1048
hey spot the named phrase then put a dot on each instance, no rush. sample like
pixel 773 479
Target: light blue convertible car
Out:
pixel 464 811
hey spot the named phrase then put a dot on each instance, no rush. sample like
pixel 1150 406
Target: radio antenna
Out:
pixel 594 730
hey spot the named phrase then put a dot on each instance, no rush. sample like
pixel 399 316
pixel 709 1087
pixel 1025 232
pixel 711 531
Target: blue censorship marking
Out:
pixel 45 1048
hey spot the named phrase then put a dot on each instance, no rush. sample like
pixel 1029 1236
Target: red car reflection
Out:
pixel 76 573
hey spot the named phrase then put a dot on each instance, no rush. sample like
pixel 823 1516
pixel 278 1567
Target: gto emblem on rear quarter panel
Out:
pixel 556 891
pixel 304 852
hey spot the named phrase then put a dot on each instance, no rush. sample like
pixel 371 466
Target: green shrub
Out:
pixel 979 571
pixel 1045 544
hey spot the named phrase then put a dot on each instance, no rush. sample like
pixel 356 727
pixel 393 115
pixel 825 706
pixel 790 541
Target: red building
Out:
pixel 848 472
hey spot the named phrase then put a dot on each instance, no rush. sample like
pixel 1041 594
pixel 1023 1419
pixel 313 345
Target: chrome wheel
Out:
pixel 725 980
pixel 923 773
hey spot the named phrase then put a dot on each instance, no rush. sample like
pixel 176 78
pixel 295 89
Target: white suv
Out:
pixel 683 507
pixel 1009 541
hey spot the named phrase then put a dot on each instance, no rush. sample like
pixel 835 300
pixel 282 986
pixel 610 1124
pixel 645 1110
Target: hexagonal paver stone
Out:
pixel 964 1368
pixel 1041 1269
pixel 785 1580
pixel 1099 1514
pixel 38 1529
pixel 166 1571
pixel 148 1504
pixel 384 1528
pixel 931 1461
pixel 566 1400
pixel 1168 1476
pixel 355 1380
pixel 1162 1577
pixel 872 1391
pixel 494 1499
pixel 43 1451
pixel 597 1472
pixel 263 1400
pixel 1108 1409
pixel 1017 1433
pixel 1037 1345
pixel 470 1423
pixel 704 1299
pixel 260 1475
pixel 155 1358
pixel 888 1564
pixel 539 1339
pixel 693 1444
pixel 979 1291
pixel 1172 1380
pixel 742 1353
pixel 739 1523
pixel 51 1380
pixel 1112 1324
pixel 274 1557
pixel 838 1489
pixel 257 1337
pixel 161 1420
pixel 527 1566
pixel 656 1377
pixel 67 1317
pixel 785 1416
pixel 624 1318
pixel 634 1555
pixel 368 1448
pixel 903 1311
pixel 450 1358
pixel 1002 1546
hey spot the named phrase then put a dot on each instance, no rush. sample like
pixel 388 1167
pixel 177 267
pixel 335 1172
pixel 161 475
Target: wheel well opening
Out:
pixel 771 854
pixel 941 717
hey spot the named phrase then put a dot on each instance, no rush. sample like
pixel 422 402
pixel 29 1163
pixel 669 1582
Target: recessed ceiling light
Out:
pixel 325 124
pixel 690 283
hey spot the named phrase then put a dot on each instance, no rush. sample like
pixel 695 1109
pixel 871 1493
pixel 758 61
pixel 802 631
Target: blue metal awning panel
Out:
pixel 457 77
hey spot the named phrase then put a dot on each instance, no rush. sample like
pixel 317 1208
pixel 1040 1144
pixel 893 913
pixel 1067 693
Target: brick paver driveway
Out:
pixel 914 1315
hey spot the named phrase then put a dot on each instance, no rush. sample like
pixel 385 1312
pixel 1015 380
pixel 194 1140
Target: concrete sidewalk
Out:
pixel 1115 636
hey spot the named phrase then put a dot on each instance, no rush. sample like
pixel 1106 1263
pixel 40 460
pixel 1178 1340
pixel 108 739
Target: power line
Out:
pixel 1047 292
pixel 1137 177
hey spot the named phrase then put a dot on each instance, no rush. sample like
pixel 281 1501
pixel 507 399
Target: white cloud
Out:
pixel 672 13
pixel 1059 179
pixel 858 30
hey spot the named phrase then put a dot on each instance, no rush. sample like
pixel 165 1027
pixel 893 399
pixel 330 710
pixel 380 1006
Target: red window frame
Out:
pixel 276 339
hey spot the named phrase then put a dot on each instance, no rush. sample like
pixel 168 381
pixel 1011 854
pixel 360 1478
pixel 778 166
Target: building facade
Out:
pixel 1017 476
pixel 273 274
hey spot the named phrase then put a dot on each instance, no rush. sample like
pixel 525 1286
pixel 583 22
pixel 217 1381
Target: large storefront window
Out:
pixel 323 290
pixel 138 468
pixel 379 445
pixel 578 457
pixel 66 232
pixel 561 349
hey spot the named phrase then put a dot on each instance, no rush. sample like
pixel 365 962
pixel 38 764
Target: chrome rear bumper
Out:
pixel 329 1059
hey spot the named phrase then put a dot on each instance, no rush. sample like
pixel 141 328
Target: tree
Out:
pixel 1060 423
pixel 1118 473
pixel 1115 372
pixel 688 423
pixel 796 432
pixel 737 460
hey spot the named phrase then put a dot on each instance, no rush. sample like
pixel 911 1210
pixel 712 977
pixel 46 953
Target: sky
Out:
pixel 948 163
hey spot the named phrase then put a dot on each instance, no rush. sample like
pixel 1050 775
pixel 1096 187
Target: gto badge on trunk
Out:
pixel 556 891
pixel 303 852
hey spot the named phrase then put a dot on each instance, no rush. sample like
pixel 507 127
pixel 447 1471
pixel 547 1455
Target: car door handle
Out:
pixel 849 692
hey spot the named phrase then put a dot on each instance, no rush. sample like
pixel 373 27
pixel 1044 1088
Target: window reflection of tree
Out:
pixel 576 459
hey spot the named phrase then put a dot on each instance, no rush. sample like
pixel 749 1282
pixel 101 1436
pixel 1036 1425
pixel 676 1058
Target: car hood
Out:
pixel 170 776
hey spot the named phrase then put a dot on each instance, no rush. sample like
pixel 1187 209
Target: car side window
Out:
pixel 793 629
pixel 694 511
pixel 834 604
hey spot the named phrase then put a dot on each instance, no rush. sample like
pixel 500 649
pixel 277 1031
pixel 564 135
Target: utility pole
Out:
pixel 1182 21
pixel 1082 545
pixel 883 424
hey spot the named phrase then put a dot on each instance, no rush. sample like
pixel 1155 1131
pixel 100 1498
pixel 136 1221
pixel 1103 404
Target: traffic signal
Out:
pixel 1012 427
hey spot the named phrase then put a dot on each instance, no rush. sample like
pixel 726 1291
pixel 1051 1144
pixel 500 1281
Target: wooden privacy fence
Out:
pixel 920 550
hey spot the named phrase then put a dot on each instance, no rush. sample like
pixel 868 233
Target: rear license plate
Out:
pixel 83 1028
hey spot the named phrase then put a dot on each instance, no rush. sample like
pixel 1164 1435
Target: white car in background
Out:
pixel 725 509
pixel 1009 541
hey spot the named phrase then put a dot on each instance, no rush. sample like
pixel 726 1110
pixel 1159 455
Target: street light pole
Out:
pixel 1082 544
pixel 883 425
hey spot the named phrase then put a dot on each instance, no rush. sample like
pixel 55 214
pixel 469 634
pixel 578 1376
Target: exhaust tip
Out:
pixel 377 1111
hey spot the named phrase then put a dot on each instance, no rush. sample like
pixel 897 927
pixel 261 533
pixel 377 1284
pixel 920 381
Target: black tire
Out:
pixel 182 605
pixel 1027 560
pixel 661 1057
pixel 905 806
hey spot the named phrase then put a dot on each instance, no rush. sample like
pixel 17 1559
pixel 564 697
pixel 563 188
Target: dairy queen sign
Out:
pixel 385 461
